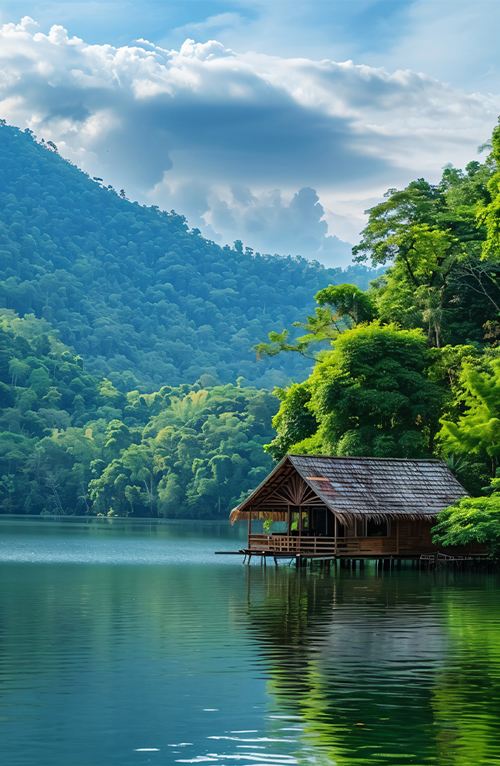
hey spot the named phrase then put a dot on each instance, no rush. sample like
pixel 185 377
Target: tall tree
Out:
pixel 431 241
pixel 489 210
pixel 369 396
pixel 477 429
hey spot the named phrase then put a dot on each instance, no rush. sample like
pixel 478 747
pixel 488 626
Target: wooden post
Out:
pixel 397 536
pixel 249 530
pixel 335 533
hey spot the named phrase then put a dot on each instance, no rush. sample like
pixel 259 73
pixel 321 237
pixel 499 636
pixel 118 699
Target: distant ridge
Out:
pixel 144 300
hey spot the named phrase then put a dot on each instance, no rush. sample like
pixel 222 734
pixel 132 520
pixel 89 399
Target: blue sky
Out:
pixel 283 129
pixel 117 22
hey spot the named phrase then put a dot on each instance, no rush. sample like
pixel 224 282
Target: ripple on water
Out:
pixel 125 646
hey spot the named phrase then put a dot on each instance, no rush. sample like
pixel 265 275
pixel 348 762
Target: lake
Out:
pixel 131 643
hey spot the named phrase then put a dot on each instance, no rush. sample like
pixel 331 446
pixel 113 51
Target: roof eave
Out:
pixel 248 501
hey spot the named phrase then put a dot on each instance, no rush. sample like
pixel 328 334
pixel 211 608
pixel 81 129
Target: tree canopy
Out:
pixel 369 396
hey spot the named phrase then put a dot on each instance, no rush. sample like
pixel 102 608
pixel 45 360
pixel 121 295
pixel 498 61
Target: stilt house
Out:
pixel 356 507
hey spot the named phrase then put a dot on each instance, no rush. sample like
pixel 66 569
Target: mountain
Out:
pixel 143 299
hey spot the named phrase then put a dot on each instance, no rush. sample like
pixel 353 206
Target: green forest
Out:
pixel 144 300
pixel 72 443
pixel 134 374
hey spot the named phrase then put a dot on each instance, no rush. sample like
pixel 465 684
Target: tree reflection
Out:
pixel 386 670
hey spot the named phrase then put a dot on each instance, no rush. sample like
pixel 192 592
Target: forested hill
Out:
pixel 144 300
pixel 71 443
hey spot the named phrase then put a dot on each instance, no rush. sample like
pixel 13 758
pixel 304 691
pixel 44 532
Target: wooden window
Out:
pixel 377 528
pixel 361 528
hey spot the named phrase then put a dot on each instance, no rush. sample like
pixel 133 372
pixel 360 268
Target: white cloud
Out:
pixel 268 222
pixel 213 132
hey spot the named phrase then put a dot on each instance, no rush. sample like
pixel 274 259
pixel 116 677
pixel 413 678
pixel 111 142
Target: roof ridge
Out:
pixel 366 457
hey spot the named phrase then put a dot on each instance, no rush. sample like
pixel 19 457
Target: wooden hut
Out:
pixel 353 507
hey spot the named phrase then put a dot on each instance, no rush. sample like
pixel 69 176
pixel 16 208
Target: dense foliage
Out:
pixel 144 300
pixel 471 520
pixel 70 442
pixel 415 365
pixel 429 236
pixel 370 396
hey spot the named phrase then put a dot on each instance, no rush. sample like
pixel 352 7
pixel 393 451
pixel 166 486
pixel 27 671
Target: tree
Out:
pixel 19 370
pixel 489 211
pixel 170 496
pixel 477 428
pixel 431 241
pixel 294 422
pixel 472 520
pixel 339 307
pixel 133 495
pixel 408 232
pixel 370 396
pixel 347 301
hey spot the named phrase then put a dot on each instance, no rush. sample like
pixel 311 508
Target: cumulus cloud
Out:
pixel 267 222
pixel 272 224
pixel 218 131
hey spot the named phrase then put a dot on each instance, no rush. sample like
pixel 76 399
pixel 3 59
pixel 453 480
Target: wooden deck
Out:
pixel 348 547
pixel 347 550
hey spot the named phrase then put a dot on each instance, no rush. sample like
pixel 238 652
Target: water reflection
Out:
pixel 137 646
pixel 399 669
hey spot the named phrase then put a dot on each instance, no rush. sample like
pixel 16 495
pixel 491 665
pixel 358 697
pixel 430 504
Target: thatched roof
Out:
pixel 353 487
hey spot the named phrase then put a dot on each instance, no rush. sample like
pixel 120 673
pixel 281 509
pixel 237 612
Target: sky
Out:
pixel 271 121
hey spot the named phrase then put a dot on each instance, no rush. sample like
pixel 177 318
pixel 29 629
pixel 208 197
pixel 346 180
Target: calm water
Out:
pixel 124 643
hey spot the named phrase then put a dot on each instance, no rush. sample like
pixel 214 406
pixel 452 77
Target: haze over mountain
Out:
pixel 144 300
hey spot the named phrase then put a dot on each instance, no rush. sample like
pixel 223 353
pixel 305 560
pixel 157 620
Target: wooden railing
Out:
pixel 327 546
